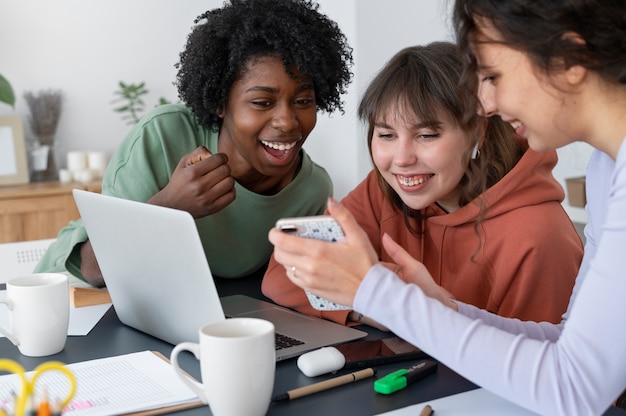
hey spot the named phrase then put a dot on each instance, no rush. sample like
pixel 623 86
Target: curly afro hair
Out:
pixel 225 39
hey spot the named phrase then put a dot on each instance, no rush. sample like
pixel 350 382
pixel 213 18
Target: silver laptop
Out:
pixel 160 282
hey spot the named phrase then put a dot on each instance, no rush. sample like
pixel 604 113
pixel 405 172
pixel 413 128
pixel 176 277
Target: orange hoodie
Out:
pixel 524 262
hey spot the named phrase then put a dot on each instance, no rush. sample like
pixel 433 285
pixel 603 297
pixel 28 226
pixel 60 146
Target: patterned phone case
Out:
pixel 320 227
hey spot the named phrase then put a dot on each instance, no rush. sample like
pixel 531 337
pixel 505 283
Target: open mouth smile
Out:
pixel 282 146
pixel 413 180
pixel 518 126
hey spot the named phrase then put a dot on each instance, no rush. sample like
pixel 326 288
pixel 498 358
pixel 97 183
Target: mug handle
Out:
pixel 185 378
pixel 3 331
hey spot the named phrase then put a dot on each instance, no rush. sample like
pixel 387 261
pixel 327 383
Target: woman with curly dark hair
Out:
pixel 252 77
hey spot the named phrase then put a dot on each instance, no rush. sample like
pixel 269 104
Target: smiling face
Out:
pixel 422 162
pixel 267 118
pixel 511 87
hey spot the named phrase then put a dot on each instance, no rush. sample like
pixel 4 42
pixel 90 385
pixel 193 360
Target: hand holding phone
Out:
pixel 318 227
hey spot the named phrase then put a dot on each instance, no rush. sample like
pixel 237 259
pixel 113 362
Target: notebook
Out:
pixel 160 282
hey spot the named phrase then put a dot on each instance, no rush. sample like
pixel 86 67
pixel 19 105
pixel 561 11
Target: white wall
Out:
pixel 385 27
pixel 85 48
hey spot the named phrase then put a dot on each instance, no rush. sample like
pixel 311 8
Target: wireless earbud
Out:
pixel 322 361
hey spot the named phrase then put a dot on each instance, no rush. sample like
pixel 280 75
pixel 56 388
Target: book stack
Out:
pixel 83 294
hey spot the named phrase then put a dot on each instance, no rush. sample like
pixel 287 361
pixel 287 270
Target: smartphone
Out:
pixel 362 354
pixel 318 227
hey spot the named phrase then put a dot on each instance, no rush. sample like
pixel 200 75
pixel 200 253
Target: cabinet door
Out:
pixel 35 218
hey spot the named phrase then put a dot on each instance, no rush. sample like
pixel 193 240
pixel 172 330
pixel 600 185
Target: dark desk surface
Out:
pixel 110 338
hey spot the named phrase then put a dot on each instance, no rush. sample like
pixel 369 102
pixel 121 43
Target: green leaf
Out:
pixel 129 100
pixel 121 109
pixel 6 92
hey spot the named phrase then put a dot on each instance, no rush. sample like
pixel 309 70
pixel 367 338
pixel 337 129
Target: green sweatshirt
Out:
pixel 234 239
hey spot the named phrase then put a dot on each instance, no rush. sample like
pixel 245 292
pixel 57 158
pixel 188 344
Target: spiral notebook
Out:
pixel 160 282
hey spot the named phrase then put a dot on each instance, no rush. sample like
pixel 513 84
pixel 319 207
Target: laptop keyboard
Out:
pixel 283 341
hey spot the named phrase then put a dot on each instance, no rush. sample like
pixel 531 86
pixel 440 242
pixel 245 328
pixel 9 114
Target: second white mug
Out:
pixel 39 308
pixel 237 363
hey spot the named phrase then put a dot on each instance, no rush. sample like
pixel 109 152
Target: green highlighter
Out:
pixel 399 379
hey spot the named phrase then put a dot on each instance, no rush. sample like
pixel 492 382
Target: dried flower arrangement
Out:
pixel 45 110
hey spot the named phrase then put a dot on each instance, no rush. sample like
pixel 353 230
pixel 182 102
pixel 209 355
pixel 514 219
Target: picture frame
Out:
pixel 13 159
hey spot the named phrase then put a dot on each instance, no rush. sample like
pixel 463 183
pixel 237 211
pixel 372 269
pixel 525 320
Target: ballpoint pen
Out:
pixel 401 378
pixel 325 385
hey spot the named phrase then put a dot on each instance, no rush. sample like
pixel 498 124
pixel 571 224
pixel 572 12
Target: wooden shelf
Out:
pixel 38 210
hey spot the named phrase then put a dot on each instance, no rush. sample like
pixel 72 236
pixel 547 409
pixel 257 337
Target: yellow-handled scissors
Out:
pixel 28 386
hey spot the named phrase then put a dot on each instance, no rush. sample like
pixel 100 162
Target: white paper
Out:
pixel 112 386
pixel 82 320
pixel 479 402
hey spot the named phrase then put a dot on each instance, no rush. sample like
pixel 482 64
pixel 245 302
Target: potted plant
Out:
pixel 132 105
pixel 6 92
pixel 130 95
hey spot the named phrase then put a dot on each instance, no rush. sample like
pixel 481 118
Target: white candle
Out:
pixel 65 175
pixel 97 162
pixel 76 161
pixel 84 176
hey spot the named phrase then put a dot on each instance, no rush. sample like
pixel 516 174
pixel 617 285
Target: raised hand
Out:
pixel 201 184
pixel 331 270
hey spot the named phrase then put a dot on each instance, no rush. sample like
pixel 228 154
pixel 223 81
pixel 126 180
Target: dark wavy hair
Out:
pixel 540 29
pixel 424 81
pixel 224 40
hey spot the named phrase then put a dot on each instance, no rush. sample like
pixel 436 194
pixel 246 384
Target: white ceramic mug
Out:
pixel 237 363
pixel 39 308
